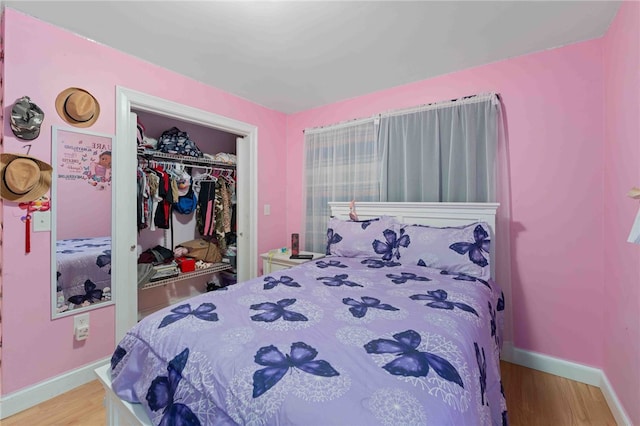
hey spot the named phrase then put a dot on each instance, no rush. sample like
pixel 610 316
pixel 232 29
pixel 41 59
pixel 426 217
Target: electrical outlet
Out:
pixel 81 326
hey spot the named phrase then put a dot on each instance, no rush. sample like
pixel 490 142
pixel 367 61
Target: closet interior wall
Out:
pixel 209 141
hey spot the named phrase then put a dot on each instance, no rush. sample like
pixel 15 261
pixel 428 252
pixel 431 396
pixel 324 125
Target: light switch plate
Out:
pixel 41 221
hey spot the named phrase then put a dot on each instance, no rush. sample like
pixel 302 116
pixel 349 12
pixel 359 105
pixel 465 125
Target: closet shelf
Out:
pixel 184 159
pixel 217 267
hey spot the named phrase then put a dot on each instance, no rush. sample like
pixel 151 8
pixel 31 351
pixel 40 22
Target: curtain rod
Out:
pixel 341 124
pixel 439 104
pixel 444 104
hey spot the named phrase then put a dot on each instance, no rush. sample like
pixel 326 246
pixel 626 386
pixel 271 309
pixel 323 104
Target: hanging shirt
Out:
pixel 205 212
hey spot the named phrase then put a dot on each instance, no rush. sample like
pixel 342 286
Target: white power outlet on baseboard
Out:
pixel 81 326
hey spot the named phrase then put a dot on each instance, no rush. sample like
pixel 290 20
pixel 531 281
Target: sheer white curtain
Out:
pixel 341 164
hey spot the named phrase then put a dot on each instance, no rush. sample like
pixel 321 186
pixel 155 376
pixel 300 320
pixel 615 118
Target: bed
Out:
pixel 399 324
pixel 83 271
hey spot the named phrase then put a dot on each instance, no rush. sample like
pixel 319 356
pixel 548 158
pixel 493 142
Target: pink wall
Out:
pixel 553 102
pixel 622 171
pixel 40 61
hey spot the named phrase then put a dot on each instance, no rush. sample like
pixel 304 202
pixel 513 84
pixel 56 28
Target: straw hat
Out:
pixel 77 107
pixel 23 178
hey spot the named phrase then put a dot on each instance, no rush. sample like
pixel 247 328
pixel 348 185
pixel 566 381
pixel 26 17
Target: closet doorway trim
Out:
pixel 123 226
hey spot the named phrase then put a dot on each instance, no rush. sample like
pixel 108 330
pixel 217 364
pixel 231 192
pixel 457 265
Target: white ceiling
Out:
pixel 295 55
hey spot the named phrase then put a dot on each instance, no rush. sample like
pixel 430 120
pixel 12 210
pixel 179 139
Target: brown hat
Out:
pixel 23 178
pixel 77 107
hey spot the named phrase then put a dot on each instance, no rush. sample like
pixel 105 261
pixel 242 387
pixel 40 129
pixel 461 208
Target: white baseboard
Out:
pixel 570 370
pixel 614 403
pixel 34 395
pixel 506 354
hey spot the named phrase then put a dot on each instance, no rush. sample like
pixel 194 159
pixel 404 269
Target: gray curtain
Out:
pixel 442 152
pixel 453 151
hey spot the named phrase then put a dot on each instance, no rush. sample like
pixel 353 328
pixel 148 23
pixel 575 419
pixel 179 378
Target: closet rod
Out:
pixel 182 159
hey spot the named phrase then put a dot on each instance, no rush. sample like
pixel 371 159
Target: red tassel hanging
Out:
pixel 27 234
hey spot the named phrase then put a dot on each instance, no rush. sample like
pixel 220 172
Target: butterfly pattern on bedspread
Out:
pixel 203 312
pixel 332 238
pixel 301 356
pixel 338 347
pixel 475 249
pixel 438 299
pixel 390 248
pixel 359 309
pixel 91 294
pixel 377 263
pixel 275 311
pixel 83 270
pixel 409 360
pixel 161 394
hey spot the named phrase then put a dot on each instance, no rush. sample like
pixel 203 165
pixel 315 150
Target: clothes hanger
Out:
pixel 205 176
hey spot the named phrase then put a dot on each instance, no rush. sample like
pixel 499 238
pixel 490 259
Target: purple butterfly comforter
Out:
pixel 83 268
pixel 338 341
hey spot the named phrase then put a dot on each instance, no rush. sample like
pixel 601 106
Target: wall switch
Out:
pixel 81 326
pixel 41 221
pixel 267 209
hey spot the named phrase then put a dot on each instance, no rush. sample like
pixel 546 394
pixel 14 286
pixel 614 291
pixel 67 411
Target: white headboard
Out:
pixel 434 214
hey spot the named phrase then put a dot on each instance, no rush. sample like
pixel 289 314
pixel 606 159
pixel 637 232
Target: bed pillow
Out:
pixel 350 238
pixel 462 249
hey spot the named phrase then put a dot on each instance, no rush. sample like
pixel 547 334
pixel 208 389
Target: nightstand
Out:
pixel 279 260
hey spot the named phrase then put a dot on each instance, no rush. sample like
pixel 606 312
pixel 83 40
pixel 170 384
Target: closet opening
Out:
pixel 212 134
pixel 201 180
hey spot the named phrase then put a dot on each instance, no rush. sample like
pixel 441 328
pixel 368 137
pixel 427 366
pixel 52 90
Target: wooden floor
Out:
pixel 537 398
pixel 533 398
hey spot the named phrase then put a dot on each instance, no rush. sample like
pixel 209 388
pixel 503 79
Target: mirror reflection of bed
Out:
pixel 81 232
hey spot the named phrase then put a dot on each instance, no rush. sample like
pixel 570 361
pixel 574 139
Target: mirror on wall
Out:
pixel 81 200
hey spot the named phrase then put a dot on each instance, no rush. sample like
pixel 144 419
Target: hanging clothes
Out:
pixel 164 209
pixel 205 212
pixel 221 190
pixel 226 207
pixel 140 191
pixel 159 190
pixel 154 199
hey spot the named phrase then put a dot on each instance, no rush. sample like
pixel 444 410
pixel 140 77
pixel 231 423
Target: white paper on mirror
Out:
pixel 634 236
